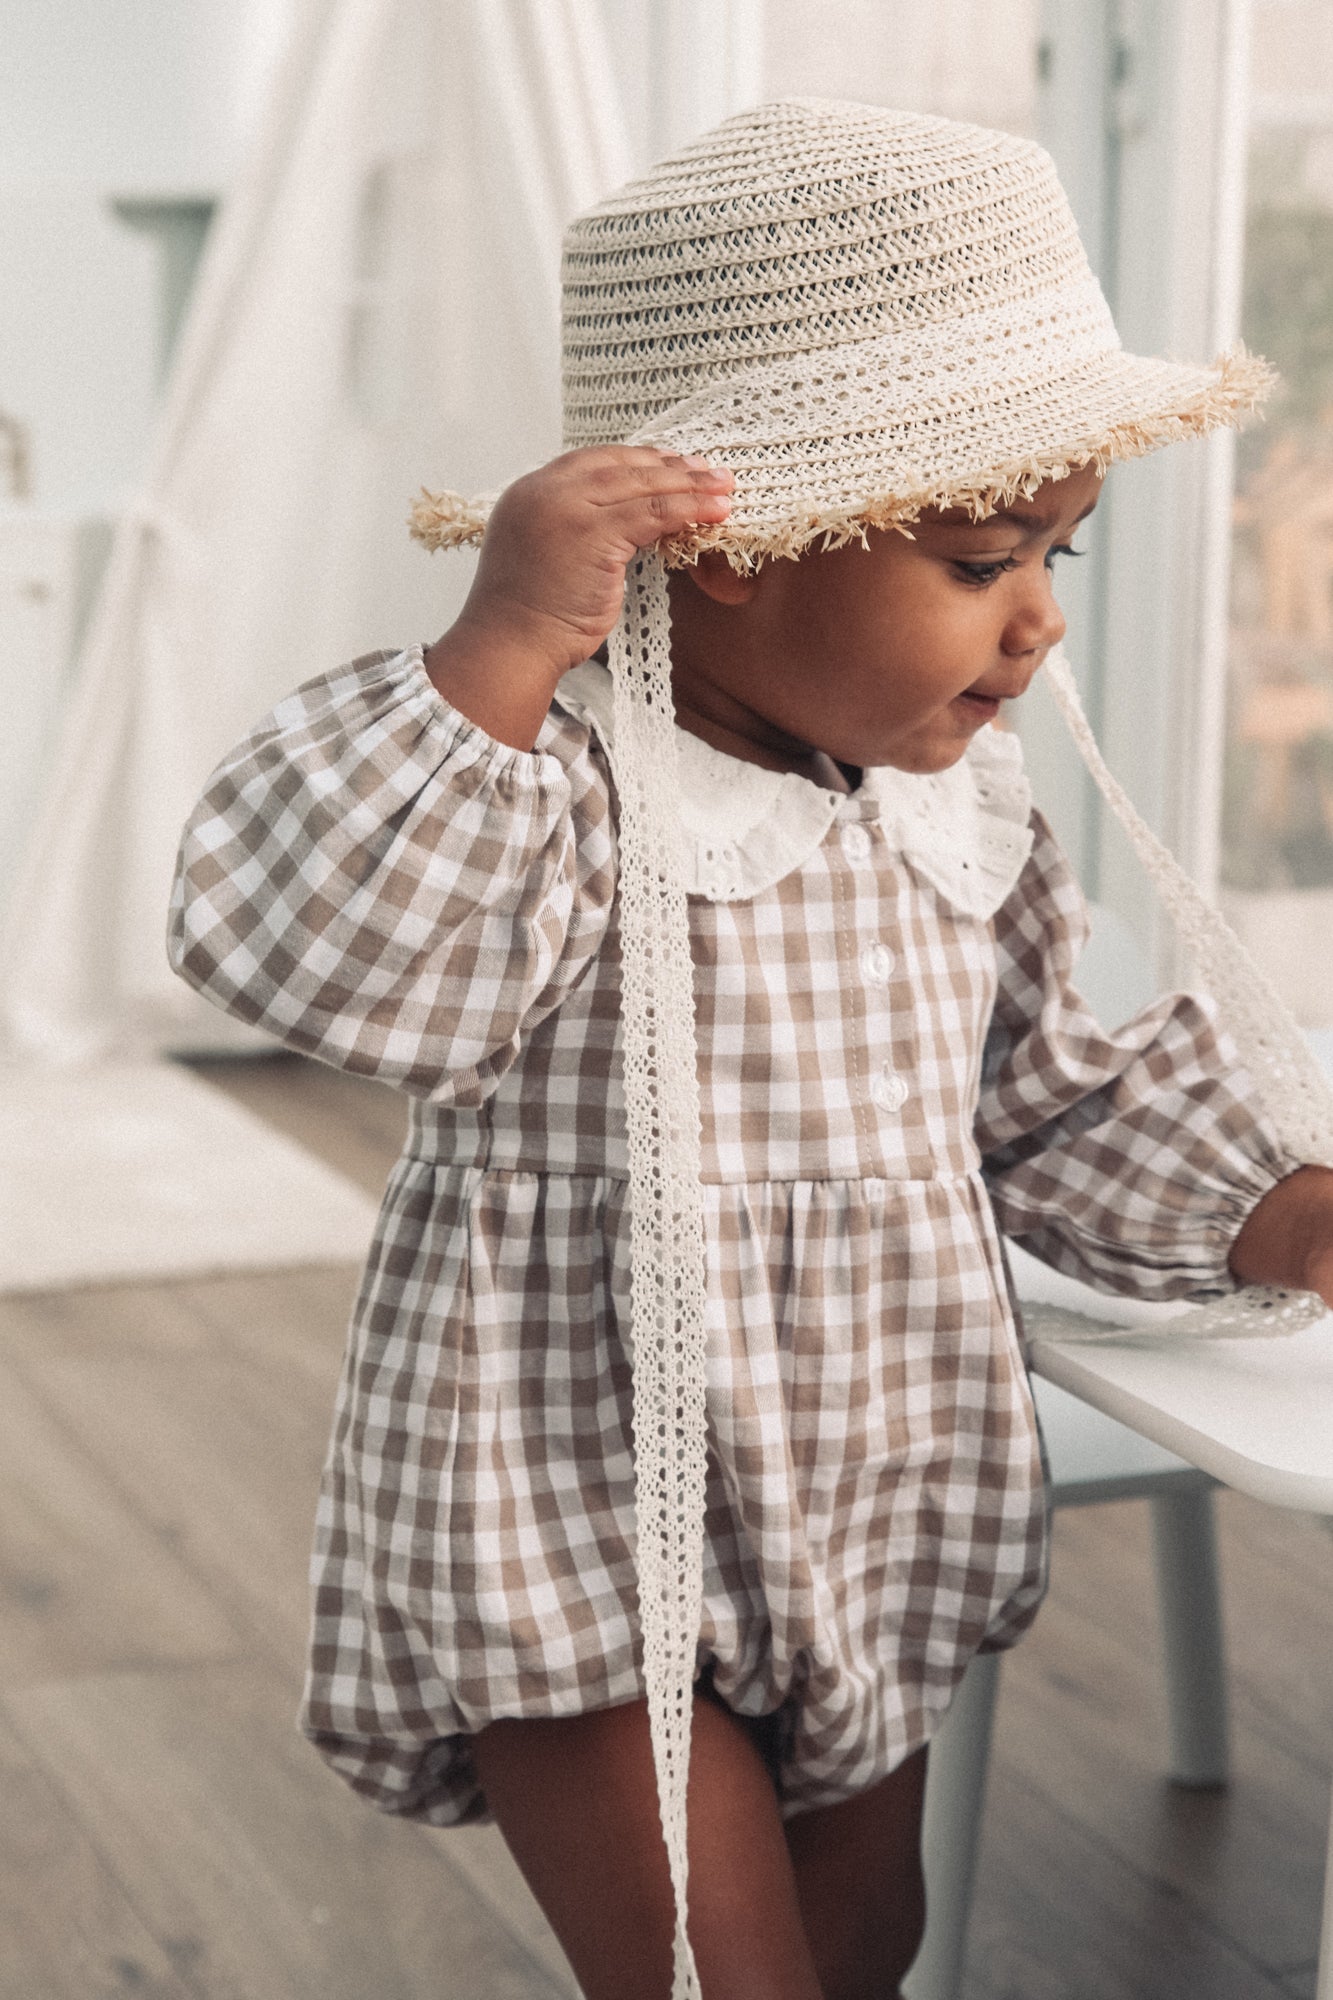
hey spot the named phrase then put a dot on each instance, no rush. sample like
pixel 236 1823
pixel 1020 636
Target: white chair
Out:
pixel 1092 1458
pixel 1255 1414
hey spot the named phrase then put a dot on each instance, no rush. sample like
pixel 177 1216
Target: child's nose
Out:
pixel 1037 625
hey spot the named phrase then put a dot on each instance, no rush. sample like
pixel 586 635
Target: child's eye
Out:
pixel 985 572
pixel 982 573
pixel 1063 549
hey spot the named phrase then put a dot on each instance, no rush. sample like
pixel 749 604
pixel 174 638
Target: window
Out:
pixel 1277 800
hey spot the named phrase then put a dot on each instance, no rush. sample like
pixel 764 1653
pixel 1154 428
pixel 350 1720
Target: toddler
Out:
pixel 870 343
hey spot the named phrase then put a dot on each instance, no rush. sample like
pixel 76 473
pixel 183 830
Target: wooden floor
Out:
pixel 165 1833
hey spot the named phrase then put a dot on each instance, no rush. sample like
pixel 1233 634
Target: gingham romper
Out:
pixel 892 1062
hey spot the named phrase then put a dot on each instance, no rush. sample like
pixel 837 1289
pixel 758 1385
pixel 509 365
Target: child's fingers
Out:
pixel 610 475
pixel 644 494
pixel 572 522
pixel 649 517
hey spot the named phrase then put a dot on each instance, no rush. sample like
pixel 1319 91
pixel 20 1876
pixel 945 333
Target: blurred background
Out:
pixel 1277 800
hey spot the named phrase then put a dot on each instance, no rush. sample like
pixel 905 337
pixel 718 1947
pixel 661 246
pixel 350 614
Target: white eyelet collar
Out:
pixel 965 830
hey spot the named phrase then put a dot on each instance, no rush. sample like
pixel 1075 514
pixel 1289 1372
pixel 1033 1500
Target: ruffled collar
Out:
pixel 964 830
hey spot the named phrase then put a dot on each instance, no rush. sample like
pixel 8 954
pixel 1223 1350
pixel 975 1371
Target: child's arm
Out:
pixel 385 874
pixel 1288 1239
pixel 1138 1161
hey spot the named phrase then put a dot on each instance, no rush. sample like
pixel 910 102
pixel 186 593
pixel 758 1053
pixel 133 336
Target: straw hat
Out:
pixel 862 314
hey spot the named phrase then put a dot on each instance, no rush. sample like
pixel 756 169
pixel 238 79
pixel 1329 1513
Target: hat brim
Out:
pixel 795 491
pixel 801 482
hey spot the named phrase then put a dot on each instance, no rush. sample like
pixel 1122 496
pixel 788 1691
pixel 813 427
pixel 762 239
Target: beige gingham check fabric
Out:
pixel 883 1077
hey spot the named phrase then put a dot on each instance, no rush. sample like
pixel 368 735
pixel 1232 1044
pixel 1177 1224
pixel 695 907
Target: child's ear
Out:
pixel 713 575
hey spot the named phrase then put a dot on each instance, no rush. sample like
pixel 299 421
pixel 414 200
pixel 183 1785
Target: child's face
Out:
pixel 892 654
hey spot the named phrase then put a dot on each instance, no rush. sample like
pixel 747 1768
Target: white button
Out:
pixel 876 963
pixel 888 1089
pixel 855 841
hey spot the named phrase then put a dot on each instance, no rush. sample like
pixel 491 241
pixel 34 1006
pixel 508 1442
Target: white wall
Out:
pixel 101 98
pixel 77 340
pixel 953 58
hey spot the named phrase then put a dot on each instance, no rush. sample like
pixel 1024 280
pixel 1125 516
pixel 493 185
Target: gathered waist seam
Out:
pixel 493 1170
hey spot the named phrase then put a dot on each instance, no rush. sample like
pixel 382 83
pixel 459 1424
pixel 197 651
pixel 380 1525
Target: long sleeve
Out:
pixel 1126 1159
pixel 375 881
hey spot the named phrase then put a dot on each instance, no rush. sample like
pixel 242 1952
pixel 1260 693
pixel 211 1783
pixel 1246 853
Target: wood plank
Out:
pixel 1062 1914
pixel 478 1855
pixel 235 1843
pixel 68 1931
pixel 219 1458
pixel 157 1318
pixel 1245 1862
pixel 294 1319
pixel 1277 1573
pixel 84 1586
pixel 291 1324
pixel 1080 1720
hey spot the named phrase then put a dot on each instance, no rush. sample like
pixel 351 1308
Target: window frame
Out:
pixel 1145 108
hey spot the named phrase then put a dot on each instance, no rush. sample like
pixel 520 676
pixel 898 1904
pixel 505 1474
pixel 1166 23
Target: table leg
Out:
pixel 1324 1978
pixel 955 1790
pixel 1189 1601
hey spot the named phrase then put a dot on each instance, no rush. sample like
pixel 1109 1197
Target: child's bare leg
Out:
pixel 576 1799
pixel 859 1884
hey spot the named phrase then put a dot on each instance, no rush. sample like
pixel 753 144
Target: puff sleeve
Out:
pixel 375 881
pixel 1130 1159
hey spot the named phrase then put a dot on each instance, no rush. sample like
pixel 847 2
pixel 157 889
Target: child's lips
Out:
pixel 985 703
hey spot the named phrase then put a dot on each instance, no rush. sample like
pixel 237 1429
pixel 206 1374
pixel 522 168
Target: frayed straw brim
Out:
pixel 795 491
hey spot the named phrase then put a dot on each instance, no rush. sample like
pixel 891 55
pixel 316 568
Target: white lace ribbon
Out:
pixel 1257 1312
pixel 1294 1090
pixel 666 1217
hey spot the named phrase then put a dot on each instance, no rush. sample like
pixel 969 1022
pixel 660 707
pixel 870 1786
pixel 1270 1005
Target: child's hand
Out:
pixel 1288 1239
pixel 557 544
pixel 551 576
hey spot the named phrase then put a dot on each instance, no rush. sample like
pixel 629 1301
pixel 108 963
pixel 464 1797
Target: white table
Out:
pixel 1257 1414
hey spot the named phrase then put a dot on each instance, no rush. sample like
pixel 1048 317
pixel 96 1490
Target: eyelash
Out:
pixel 980 574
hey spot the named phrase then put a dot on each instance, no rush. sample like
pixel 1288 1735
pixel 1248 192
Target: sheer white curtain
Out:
pixel 378 307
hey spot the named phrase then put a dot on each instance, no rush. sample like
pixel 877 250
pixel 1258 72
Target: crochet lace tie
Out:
pixel 666 1219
